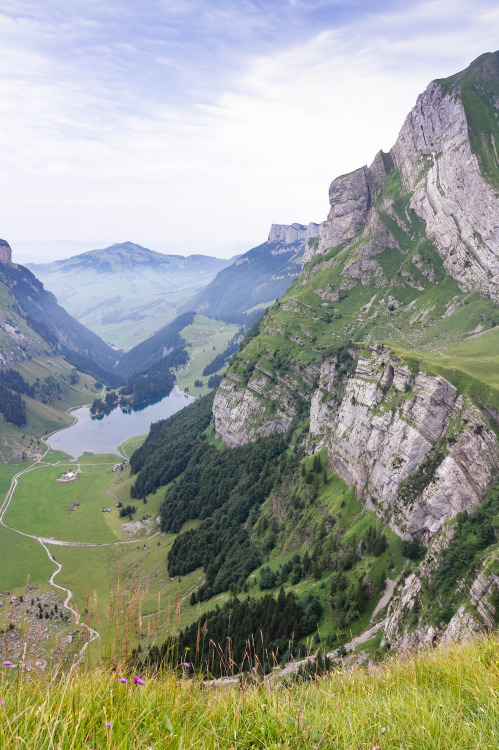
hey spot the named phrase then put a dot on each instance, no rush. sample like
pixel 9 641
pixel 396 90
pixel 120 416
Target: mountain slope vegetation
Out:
pixel 379 368
pixel 242 291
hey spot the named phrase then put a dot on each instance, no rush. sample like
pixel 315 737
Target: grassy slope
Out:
pixel 44 418
pixel 207 338
pixel 434 701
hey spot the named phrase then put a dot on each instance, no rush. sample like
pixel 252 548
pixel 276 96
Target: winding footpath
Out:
pixel 91 633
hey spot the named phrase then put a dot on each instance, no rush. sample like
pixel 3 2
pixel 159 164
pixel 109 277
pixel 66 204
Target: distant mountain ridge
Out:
pixel 126 292
pixel 258 277
pixel 50 321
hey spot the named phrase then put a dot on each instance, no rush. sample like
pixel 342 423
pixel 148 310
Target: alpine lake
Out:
pixel 104 433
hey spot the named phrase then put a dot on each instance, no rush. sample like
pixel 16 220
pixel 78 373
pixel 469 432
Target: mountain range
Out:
pixel 125 292
pixel 351 452
pixel 379 367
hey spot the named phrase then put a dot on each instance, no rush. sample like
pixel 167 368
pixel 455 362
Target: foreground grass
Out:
pixel 439 699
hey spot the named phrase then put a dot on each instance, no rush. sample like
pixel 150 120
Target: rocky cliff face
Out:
pixel 477 615
pixel 416 452
pixel 289 233
pixel 450 187
pixel 5 252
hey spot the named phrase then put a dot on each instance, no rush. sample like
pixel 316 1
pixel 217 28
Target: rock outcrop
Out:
pixel 5 252
pixel 445 176
pixel 389 425
pixel 289 233
pixel 477 615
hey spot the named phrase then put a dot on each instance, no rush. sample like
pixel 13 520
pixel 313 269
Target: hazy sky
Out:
pixel 188 125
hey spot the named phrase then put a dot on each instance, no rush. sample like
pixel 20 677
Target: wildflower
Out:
pixel 383 730
pixel 139 680
pixel 7 664
pixel 2 703
pixel 186 664
pixel 108 724
pixel 123 679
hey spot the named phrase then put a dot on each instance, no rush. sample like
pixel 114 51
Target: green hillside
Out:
pixel 245 289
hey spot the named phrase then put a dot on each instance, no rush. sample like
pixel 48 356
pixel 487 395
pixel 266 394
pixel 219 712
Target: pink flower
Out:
pixel 383 730
pixel 7 664
pixel 2 703
pixel 139 680
pixel 123 679
pixel 108 724
pixel 186 664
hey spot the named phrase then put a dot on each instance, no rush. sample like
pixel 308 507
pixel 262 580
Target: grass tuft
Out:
pixel 438 699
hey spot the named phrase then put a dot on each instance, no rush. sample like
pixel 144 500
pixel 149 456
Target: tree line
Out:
pixel 244 633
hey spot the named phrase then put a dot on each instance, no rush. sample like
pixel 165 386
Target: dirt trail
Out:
pixel 91 634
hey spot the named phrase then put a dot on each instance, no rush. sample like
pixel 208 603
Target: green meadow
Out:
pixel 206 338
pixel 40 504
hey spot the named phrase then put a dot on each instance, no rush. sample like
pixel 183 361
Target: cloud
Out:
pixel 174 121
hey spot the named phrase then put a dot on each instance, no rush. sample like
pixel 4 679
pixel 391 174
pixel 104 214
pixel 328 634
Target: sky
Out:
pixel 192 126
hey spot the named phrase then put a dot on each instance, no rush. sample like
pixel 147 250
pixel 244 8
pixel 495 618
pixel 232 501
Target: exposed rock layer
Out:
pixel 5 252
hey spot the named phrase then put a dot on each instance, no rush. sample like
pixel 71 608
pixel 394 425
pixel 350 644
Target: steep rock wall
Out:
pixel 5 252
pixel 459 206
pixel 289 233
pixel 449 192
pixel 391 424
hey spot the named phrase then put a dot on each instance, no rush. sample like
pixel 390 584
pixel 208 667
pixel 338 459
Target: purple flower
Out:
pixel 139 680
pixel 7 664
pixel 186 664
pixel 2 703
pixel 108 724
pixel 123 679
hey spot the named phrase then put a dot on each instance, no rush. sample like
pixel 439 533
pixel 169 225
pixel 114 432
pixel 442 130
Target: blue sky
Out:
pixel 191 126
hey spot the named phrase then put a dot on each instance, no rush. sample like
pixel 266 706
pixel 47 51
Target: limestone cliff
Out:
pixel 441 154
pixel 409 254
pixel 258 277
pixel 5 252
pixel 416 452
pixel 289 233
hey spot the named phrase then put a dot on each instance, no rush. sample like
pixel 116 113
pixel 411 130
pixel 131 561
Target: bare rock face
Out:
pixel 5 252
pixel 475 616
pixel 350 200
pixel 451 195
pixel 387 424
pixel 289 233
pixel 462 626
pixel 237 411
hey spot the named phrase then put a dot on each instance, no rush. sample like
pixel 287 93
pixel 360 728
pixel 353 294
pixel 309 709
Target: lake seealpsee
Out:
pixel 104 434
